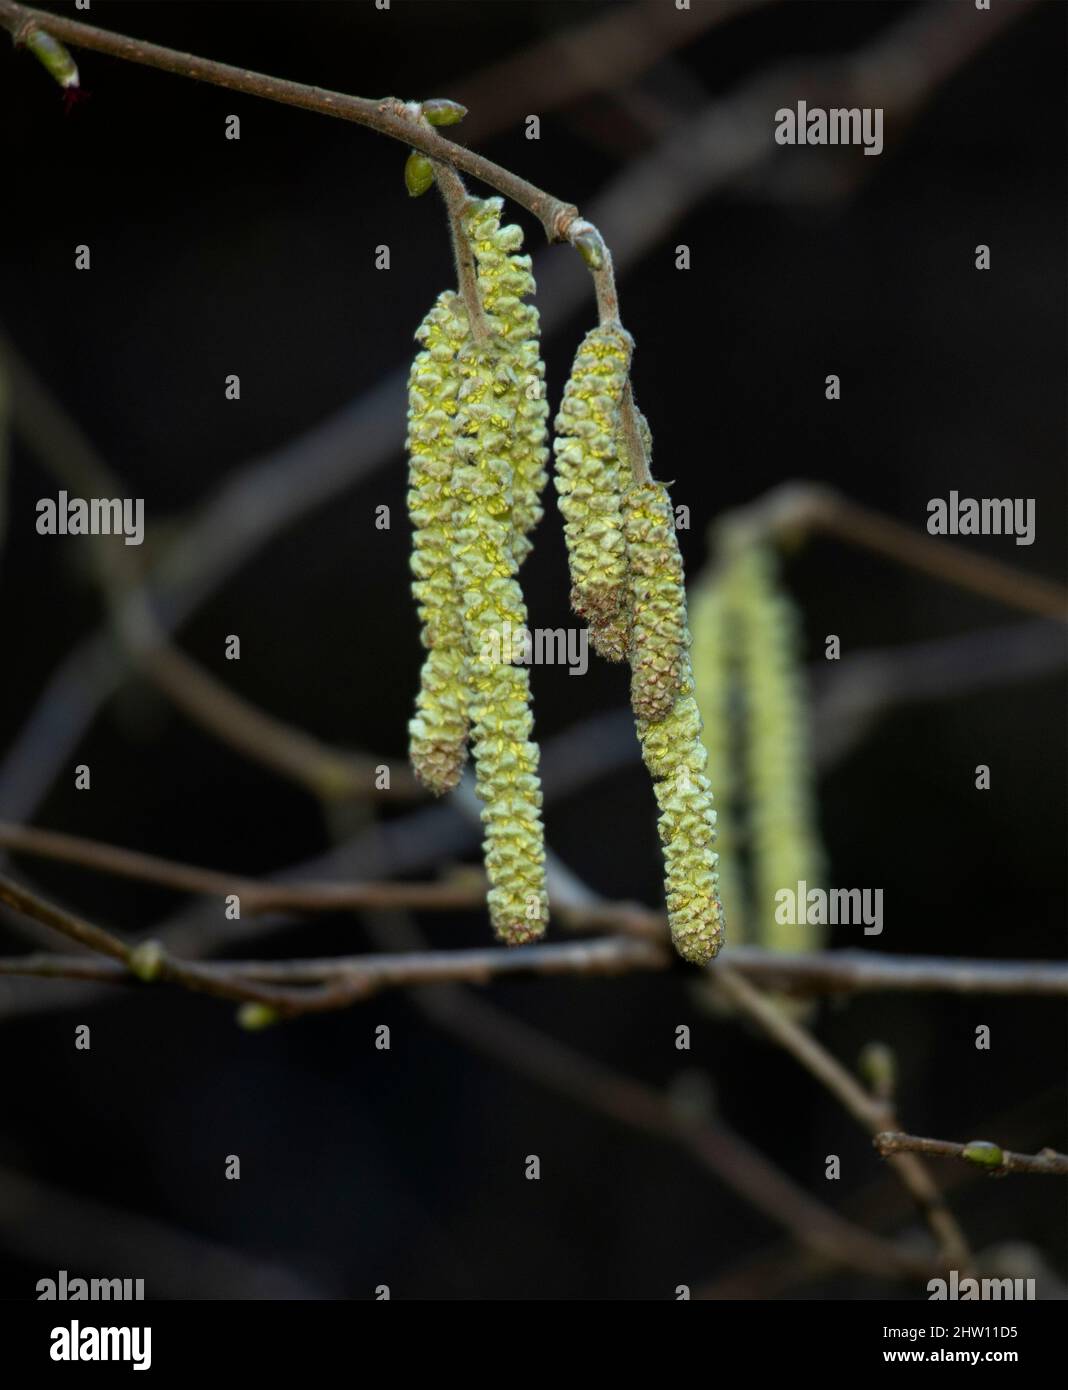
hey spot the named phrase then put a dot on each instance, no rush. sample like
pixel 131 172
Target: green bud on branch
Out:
pixel 441 111
pixel 51 54
pixel 418 174
pixel 984 1154
pixel 146 961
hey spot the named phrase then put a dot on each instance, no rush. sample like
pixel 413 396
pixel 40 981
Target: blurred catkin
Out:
pixel 714 655
pixel 786 848
pixel 588 481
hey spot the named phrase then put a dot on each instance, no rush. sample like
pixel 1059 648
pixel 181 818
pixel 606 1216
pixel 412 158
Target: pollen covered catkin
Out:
pixel 676 759
pixel 505 280
pixel 438 731
pixel 671 743
pixel 484 571
pixel 786 849
pixel 588 481
pixel 658 636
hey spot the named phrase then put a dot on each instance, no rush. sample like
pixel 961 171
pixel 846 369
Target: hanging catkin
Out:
pixel 492 461
pixel 671 745
pixel 438 732
pixel 588 481
pixel 785 843
pixel 484 568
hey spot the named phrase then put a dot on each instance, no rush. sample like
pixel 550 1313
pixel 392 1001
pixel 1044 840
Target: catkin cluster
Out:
pixel 477 425
pixel 478 450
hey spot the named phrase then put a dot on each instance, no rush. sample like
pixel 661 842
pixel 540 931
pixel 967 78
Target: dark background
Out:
pixel 257 257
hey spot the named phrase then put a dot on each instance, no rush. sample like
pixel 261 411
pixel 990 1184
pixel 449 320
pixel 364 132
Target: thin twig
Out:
pixel 990 1158
pixel 456 200
pixel 84 933
pixel 388 116
pixel 257 895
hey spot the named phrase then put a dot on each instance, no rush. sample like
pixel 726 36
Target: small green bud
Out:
pixel 255 1017
pixel 983 1153
pixel 418 174
pixel 878 1067
pixel 146 961
pixel 442 111
pixel 51 54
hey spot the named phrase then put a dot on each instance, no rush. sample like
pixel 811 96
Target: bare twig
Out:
pixel 990 1158
pixel 388 116
pixel 257 895
pixel 456 199
pixel 827 972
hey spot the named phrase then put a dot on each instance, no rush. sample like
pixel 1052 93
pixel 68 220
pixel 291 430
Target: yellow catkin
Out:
pixel 505 280
pixel 657 600
pixel 785 844
pixel 672 746
pixel 713 653
pixel 484 571
pixel 588 481
pixel 438 731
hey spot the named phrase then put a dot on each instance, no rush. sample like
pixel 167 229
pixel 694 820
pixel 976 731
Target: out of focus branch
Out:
pixel 571 63
pixel 257 895
pixel 795 509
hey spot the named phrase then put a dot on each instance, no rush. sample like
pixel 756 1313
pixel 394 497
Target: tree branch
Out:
pixel 388 116
pixel 991 1158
